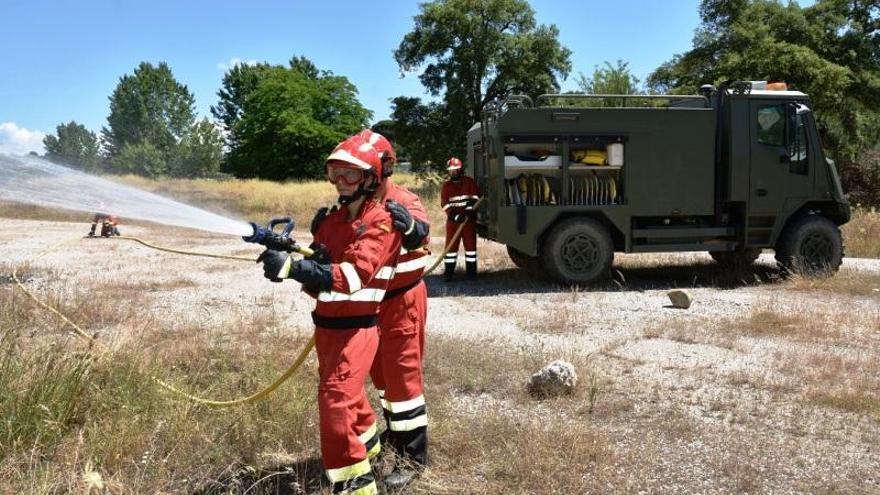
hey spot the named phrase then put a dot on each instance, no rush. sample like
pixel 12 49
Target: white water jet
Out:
pixel 32 180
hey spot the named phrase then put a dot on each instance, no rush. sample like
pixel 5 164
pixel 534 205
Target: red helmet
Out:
pixel 382 145
pixel 357 152
pixel 453 164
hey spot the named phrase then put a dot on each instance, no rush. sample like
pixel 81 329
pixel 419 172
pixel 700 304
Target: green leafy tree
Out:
pixel 141 159
pixel 150 107
pixel 199 152
pixel 238 82
pixel 423 127
pixel 471 52
pixel 387 128
pixel 291 119
pixel 74 145
pixel 830 50
pixel 610 80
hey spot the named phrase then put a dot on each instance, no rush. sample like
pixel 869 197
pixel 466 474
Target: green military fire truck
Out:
pixel 571 179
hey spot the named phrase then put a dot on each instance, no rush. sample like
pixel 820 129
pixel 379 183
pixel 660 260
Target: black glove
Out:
pixel 460 218
pixel 319 217
pixel 319 254
pixel 314 276
pixel 273 264
pixel 400 217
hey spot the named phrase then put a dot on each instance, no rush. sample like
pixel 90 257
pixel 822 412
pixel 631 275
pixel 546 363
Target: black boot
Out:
pixel 92 232
pixel 449 271
pixel 471 267
pixel 399 477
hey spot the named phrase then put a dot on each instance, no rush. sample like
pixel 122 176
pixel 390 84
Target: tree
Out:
pixel 74 146
pixel 141 159
pixel 199 152
pixel 149 107
pixel 423 129
pixel 830 50
pixel 474 51
pixel 610 80
pixel 289 121
pixel 238 82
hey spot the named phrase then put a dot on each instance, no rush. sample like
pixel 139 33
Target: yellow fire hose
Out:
pixel 208 402
pixel 452 241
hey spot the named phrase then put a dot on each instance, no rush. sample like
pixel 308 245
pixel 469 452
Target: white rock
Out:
pixel 557 378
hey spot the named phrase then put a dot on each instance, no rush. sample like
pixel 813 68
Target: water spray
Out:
pixel 35 181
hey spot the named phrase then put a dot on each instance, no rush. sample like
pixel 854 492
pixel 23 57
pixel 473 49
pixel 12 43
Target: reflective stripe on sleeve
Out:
pixel 385 273
pixel 412 265
pixel 354 281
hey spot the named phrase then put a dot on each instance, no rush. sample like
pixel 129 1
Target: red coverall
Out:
pixel 458 196
pixel 363 252
pixel 397 369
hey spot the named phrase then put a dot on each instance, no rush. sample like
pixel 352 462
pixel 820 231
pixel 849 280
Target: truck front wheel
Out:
pixel 810 246
pixel 578 251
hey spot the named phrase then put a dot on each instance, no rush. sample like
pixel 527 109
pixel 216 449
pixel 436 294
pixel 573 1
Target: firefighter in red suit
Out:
pixel 397 369
pixel 356 251
pixel 458 197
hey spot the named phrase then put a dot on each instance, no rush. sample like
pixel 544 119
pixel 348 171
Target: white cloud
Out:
pixel 15 140
pixel 225 66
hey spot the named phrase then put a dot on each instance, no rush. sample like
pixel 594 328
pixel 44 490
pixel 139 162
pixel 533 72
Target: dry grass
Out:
pixel 259 199
pixel 75 417
pixel 84 419
pixel 849 381
pixel 845 282
pixel 862 234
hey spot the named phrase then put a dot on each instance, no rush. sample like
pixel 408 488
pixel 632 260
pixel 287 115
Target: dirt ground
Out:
pixel 743 383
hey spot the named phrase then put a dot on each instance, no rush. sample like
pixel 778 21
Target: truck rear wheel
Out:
pixel 578 251
pixel 529 264
pixel 811 246
pixel 739 259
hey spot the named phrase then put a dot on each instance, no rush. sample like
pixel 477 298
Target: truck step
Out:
pixel 714 245
pixel 667 232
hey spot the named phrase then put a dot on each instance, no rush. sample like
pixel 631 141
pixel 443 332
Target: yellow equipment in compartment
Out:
pixel 530 190
pixel 589 157
pixel 592 189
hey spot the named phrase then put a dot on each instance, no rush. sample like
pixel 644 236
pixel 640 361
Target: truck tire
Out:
pixel 811 246
pixel 529 264
pixel 737 260
pixel 578 251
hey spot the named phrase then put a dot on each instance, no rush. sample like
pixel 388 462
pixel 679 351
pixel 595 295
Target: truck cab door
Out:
pixel 780 167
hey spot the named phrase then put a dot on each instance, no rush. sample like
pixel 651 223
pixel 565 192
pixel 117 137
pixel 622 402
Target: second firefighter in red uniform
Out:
pixel 397 369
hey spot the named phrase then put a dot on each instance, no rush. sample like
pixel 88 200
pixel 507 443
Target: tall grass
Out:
pixel 862 234
pixel 259 199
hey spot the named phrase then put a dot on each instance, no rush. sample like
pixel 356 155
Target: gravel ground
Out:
pixel 693 401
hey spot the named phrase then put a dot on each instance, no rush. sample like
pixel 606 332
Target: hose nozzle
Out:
pixel 267 236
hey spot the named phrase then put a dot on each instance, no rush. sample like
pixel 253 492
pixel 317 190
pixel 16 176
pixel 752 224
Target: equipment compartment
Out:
pixel 595 165
pixel 533 173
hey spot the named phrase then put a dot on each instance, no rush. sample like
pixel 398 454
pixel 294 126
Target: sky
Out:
pixel 62 58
